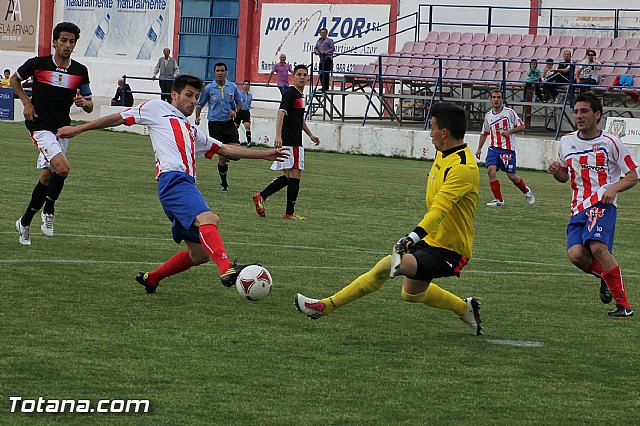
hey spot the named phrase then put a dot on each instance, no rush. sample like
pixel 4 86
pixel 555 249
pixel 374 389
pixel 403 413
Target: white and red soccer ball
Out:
pixel 254 282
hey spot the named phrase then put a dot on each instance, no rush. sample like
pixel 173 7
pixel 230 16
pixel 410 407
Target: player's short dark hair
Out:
pixel 592 100
pixel 220 64
pixel 496 91
pixel 300 67
pixel 185 80
pixel 450 117
pixel 246 81
pixel 67 27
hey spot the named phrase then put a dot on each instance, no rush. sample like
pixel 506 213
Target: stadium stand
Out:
pixel 463 67
pixel 465 55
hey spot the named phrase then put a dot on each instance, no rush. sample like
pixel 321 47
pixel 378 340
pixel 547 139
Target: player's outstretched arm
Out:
pixel 233 151
pixel 100 123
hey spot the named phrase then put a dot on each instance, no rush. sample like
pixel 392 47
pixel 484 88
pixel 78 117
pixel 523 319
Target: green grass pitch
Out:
pixel 74 324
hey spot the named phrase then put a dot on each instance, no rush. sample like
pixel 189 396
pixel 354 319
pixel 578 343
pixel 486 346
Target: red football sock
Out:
pixel 522 187
pixel 212 244
pixel 595 268
pixel 495 188
pixel 613 278
pixel 178 263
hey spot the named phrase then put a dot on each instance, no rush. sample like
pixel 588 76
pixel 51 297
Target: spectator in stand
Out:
pixel 324 49
pixel 546 73
pixel 6 79
pixel 560 75
pixel 282 70
pixel 587 72
pixel 128 96
pixel 533 79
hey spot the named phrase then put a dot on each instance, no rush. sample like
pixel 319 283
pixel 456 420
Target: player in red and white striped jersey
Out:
pixel 176 144
pixel 502 123
pixel 593 161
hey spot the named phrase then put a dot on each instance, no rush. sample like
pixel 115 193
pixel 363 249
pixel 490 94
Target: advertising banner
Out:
pixel 293 29
pixel 6 104
pixel 18 25
pixel 627 129
pixel 126 29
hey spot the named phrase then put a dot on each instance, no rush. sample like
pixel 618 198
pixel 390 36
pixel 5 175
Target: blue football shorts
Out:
pixel 182 202
pixel 597 223
pixel 503 159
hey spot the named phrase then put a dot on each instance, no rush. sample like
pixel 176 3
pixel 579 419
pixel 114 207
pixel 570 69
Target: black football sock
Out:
pixel 249 137
pixel 292 195
pixel 38 197
pixel 276 185
pixel 56 183
pixel 222 171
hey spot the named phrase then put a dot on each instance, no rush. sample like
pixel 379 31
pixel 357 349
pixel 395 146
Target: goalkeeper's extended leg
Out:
pixel 361 286
pixel 437 297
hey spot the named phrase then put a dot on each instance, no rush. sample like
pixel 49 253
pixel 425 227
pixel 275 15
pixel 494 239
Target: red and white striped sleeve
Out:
pixel 140 114
pixel 205 145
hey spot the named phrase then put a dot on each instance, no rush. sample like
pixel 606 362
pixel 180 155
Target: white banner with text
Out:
pixel 125 29
pixel 293 29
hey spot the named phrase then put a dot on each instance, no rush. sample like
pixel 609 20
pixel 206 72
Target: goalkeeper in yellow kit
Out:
pixel 440 245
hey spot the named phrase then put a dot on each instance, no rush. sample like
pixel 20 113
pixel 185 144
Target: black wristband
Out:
pixel 420 232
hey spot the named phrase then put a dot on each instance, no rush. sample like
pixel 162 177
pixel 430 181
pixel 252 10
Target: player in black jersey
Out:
pixel 289 127
pixel 58 83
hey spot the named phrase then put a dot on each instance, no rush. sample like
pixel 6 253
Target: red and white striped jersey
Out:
pixel 496 123
pixel 176 142
pixel 593 165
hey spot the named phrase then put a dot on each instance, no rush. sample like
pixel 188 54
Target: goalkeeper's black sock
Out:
pixel 249 137
pixel 222 171
pixel 38 197
pixel 56 183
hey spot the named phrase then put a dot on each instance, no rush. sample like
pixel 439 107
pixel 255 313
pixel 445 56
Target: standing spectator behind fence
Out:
pixel 533 79
pixel 6 79
pixel 587 72
pixel 282 70
pixel 127 95
pixel 324 49
pixel 168 69
pixel 560 75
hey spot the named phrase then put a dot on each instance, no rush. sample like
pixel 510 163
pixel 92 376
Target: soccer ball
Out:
pixel 254 282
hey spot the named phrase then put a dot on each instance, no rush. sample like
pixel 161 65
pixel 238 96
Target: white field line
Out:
pixel 289 246
pixel 301 247
pixel 520 343
pixel 128 262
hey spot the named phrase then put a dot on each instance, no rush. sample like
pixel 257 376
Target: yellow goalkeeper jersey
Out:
pixel 452 198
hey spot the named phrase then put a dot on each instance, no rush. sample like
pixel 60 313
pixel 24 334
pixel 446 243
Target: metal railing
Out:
pixel 489 23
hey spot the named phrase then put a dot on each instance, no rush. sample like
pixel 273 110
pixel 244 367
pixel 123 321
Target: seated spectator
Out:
pixel 6 79
pixel 128 96
pixel 559 75
pixel 546 73
pixel 587 72
pixel 533 79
